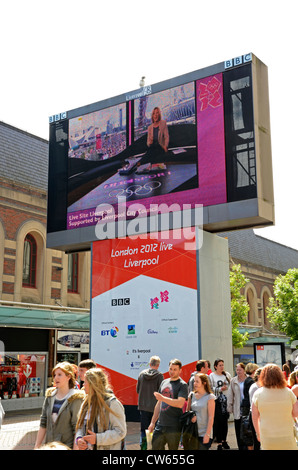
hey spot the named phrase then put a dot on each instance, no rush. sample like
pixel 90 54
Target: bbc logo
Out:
pixel 120 302
pixel 238 61
pixel 57 117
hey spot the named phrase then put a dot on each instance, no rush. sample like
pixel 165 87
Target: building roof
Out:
pixel 23 157
pixel 246 246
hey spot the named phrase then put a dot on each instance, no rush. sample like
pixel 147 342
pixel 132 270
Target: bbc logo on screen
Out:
pixel 57 117
pixel 242 59
pixel 117 302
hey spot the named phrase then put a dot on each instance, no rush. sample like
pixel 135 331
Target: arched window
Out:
pixel 29 261
pixel 251 301
pixel 73 272
pixel 265 305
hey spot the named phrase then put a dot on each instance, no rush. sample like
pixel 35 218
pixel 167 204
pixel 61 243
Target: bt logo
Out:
pixel 112 332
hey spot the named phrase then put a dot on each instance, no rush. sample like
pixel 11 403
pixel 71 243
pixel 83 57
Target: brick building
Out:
pixel 261 260
pixel 44 294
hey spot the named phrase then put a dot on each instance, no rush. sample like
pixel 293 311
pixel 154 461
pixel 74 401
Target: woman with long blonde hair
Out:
pixel 101 420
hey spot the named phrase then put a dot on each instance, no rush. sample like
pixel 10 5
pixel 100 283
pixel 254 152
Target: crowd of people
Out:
pixel 263 401
pixel 81 412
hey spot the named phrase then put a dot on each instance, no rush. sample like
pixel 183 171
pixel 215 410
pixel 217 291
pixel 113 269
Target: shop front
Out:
pixel 23 380
pixel 30 348
pixel 23 367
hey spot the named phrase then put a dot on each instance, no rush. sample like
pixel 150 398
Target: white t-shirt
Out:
pixel 217 381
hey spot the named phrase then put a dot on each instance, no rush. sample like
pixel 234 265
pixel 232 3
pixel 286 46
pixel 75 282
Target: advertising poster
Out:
pixel 144 303
pixel 269 353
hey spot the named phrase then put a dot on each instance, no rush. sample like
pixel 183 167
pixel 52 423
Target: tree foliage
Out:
pixel 283 308
pixel 239 306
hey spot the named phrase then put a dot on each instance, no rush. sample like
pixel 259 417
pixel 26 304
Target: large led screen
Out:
pixel 199 140
pixel 155 150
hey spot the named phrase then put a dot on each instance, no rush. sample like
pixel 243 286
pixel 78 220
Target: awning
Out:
pixel 40 318
pixel 262 339
pixel 267 339
pixel 249 330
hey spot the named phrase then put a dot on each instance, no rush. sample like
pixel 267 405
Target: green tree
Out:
pixel 239 306
pixel 283 308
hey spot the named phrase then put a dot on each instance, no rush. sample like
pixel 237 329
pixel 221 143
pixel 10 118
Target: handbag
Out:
pixel 189 432
pixel 223 402
pixel 185 418
pixel 246 433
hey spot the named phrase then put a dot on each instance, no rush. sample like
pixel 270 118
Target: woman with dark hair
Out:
pixel 274 408
pixel 220 382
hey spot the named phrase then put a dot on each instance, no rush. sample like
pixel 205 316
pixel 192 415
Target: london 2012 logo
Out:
pixel 112 332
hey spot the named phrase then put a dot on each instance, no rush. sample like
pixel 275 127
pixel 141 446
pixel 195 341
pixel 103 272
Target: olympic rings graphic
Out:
pixel 136 189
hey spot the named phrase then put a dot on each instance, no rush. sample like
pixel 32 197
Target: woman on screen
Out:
pixel 157 141
pixel 158 135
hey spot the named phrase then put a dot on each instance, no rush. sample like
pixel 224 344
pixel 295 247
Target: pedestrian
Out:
pixel 101 423
pixel 252 390
pixel 75 371
pixel 209 368
pixel 149 381
pixel 202 367
pixel 220 382
pixel 250 370
pixel 234 400
pixel 255 385
pixel 274 408
pixel 293 382
pixel 85 365
pixel 202 401
pixel 246 426
pixel 286 371
pixel 60 408
pixel 173 393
